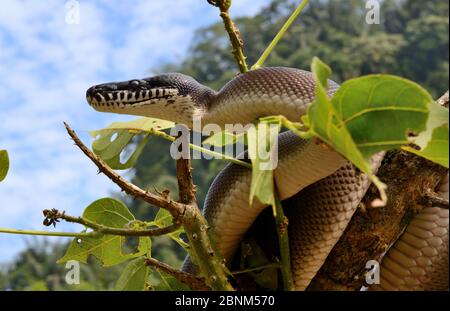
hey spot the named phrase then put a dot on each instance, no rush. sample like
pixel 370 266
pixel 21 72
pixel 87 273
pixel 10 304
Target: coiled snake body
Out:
pixel 320 188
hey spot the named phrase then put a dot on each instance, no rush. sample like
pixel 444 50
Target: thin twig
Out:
pixel 216 155
pixel 263 267
pixel 48 233
pixel 432 199
pixel 233 33
pixel 193 282
pixel 443 100
pixel 116 231
pixel 280 34
pixel 175 208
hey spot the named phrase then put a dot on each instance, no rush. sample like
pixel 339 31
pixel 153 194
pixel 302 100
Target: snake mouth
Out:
pixel 166 95
pixel 103 96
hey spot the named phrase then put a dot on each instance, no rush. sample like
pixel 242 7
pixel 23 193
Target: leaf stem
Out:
pixel 266 266
pixel 203 150
pixel 48 233
pixel 279 35
pixel 176 209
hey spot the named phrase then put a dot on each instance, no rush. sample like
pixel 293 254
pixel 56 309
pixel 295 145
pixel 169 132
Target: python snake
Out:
pixel 320 189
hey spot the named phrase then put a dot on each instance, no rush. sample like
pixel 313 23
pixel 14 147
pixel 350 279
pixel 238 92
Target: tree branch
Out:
pixel 432 199
pixel 233 33
pixel 54 216
pixel 196 228
pixel 187 214
pixel 176 209
pixel 193 282
pixel 186 187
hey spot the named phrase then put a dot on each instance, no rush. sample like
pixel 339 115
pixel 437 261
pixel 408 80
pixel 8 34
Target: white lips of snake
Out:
pixel 321 190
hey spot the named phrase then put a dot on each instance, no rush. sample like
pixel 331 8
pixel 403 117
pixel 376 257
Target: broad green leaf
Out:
pixel 4 164
pixel 262 141
pixel 163 219
pixel 109 212
pixel 433 143
pixel 108 249
pixel 438 117
pixel 110 145
pixel 380 111
pixel 112 140
pixel 437 148
pixel 326 123
pixel 168 283
pixel 134 277
pixel 376 113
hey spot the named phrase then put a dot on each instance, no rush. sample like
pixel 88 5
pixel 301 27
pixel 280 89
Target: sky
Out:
pixel 49 56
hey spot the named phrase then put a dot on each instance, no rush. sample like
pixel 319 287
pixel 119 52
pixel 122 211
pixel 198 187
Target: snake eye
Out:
pixel 134 83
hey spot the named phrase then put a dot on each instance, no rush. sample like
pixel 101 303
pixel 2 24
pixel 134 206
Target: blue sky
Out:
pixel 46 65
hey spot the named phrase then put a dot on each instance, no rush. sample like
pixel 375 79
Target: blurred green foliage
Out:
pixel 411 41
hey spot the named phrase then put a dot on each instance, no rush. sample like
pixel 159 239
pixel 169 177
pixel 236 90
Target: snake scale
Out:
pixel 320 189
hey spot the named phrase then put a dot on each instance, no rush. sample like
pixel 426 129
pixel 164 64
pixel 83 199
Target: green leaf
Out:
pixel 380 111
pixel 163 219
pixel 138 125
pixel 437 148
pixel 108 249
pixel 327 124
pixel 261 142
pixel 112 140
pixel 375 113
pixel 4 164
pixel 168 283
pixel 438 117
pixel 110 149
pixel 433 143
pixel 134 277
pixel 109 212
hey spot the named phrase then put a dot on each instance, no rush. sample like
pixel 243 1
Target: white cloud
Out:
pixel 46 66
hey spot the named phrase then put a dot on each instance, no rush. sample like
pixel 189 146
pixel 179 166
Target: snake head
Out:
pixel 172 96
